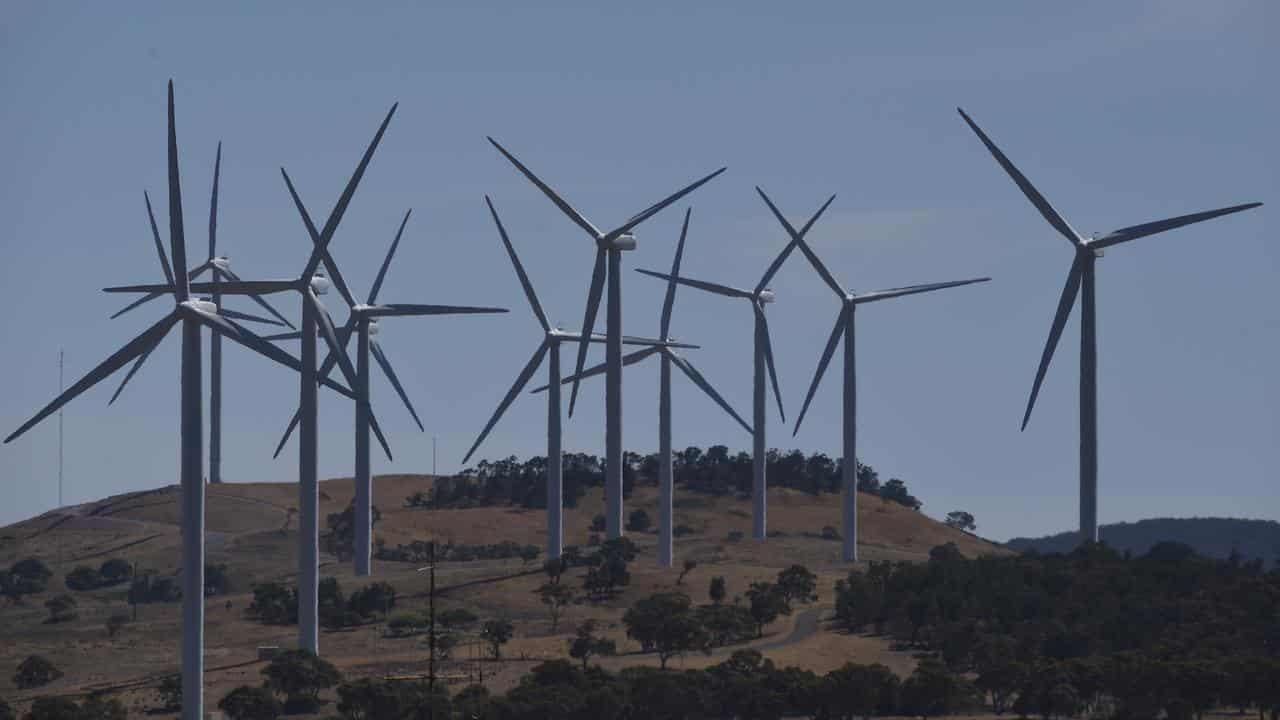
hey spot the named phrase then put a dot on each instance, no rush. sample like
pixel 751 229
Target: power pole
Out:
pixel 431 640
pixel 60 362
pixel 433 458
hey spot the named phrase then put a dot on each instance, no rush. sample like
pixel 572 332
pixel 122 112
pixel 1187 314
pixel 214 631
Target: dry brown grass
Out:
pixel 245 524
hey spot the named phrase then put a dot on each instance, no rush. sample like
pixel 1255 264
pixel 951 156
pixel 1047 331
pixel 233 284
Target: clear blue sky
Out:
pixel 1120 112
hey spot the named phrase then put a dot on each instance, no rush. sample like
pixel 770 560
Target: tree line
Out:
pixel 714 471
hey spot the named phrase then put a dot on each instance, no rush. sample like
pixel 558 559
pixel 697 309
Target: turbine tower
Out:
pixel 191 314
pixel 550 348
pixel 363 323
pixel 849 301
pixel 310 284
pixel 220 267
pixel 669 357
pixel 1080 281
pixel 609 248
pixel 758 296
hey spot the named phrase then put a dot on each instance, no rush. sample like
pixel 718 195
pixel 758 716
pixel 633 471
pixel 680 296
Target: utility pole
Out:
pixel 60 505
pixel 433 459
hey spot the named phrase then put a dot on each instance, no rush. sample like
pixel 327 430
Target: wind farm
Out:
pixel 644 547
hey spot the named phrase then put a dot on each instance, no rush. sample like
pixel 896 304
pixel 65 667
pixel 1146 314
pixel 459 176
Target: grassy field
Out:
pixel 248 529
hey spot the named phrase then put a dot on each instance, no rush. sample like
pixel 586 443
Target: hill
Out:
pixel 251 531
pixel 1210 537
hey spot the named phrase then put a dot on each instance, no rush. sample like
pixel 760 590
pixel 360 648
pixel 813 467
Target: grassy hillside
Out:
pixel 1210 537
pixel 250 531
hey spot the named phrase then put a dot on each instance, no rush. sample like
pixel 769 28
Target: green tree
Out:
pixel 961 520
pixel 932 690
pixel 34 672
pixel 798 584
pixel 250 703
pixel 54 708
pixel 82 579
pixel 556 597
pixel 665 623
pixel 374 699
pixel 554 568
pixel 497 632
pixel 718 590
pixel 275 604
pixel 300 674
pixel 586 643
pixel 854 690
pixel 101 707
pixel 766 603
pixel 115 571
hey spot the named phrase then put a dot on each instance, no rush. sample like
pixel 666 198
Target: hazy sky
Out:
pixel 1120 112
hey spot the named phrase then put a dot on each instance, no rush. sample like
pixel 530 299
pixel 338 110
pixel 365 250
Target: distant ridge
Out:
pixel 1211 537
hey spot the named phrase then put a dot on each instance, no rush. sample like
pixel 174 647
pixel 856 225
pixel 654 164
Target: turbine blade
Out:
pixel 814 218
pixel 238 334
pixel 383 362
pixel 177 238
pixel 786 225
pixel 560 202
pixel 657 207
pixel 330 335
pixel 589 319
pixel 1055 219
pixel 144 299
pixel 768 356
pixel 237 315
pixel 250 287
pixel 213 204
pixel 1136 231
pixel 115 361
pixel 689 370
pixel 377 432
pixel 523 378
pixel 797 238
pixel 1065 303
pixel 350 190
pixel 137 365
pixel 292 335
pixel 382 271
pixel 913 289
pixel 260 301
pixel 628 359
pixel 633 340
pixel 155 234
pixel 716 288
pixel 320 247
pixel 827 352
pixel 520 273
pixel 297 417
pixel 669 301
pixel 403 309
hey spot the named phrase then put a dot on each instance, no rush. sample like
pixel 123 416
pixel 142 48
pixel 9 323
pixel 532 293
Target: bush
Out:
pixel 300 673
pixel 598 523
pixel 830 533
pixel 301 705
pixel 497 633
pixel 115 571
pixel 378 597
pixel 216 580
pixel 62 608
pixel 638 521
pixel 456 618
pixel 116 623
pixel 99 707
pixel 404 625
pixel 83 578
pixel 274 604
pixel 153 589
pixel 250 703
pixel 734 536
pixel 34 672
pixel 683 530
pixel 170 691
pixel 54 708
pixel 371 698
pixel 32 569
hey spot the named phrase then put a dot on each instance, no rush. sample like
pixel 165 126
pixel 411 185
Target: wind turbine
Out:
pixel 363 323
pixel 669 357
pixel 220 267
pixel 1081 276
pixel 550 348
pixel 849 301
pixel 310 284
pixel 758 296
pixel 191 314
pixel 609 248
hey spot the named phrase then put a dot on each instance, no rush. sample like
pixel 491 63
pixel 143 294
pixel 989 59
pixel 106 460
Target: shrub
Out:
pixel 216 580
pixel 378 597
pixel 250 703
pixel 83 578
pixel 115 571
pixel 34 672
pixel 116 623
pixel 153 589
pixel 638 521
pixel 100 707
pixel 830 533
pixel 403 625
pixel 300 674
pixel 598 523
pixel 62 608
pixel 54 708
pixel 497 633
pixel 170 691
pixel 456 618
pixel 274 604
pixel 683 530
pixel 32 569
pixel 734 536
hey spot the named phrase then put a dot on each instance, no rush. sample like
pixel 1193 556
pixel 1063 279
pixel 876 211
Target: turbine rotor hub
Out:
pixel 222 262
pixel 202 304
pixel 765 296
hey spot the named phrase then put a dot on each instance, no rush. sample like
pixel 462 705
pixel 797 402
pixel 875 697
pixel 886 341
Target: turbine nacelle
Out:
pixel 204 305
pixel 319 284
pixel 625 241
pixel 765 296
pixel 373 327
pixel 222 262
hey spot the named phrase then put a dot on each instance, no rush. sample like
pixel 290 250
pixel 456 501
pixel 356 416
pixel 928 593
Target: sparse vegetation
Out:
pixel 497 633
pixel 34 672
pixel 587 644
